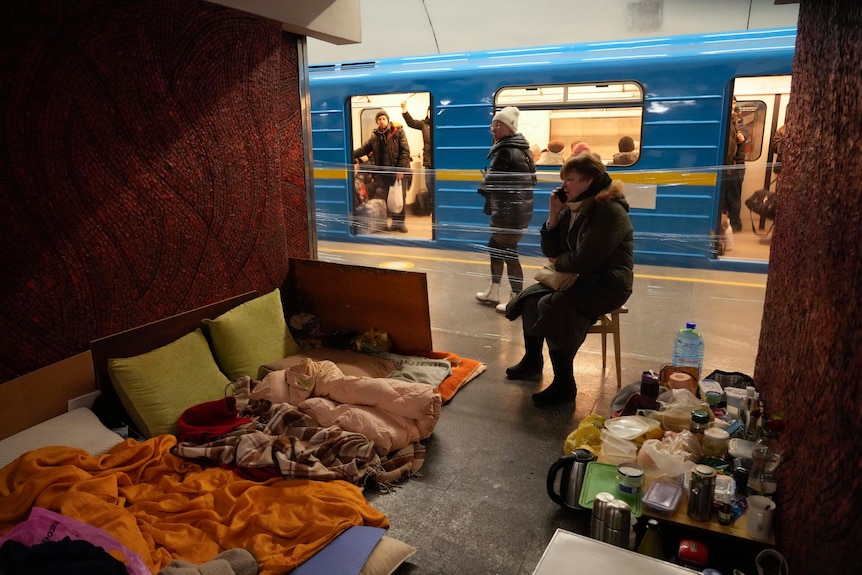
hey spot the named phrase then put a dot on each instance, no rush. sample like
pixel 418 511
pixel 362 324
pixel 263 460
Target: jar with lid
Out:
pixel 630 481
pixel 715 442
pixel 699 421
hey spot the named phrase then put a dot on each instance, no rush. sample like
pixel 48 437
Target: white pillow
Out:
pixel 78 428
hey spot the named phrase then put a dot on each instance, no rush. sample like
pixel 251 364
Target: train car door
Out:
pixel 418 201
pixel 762 103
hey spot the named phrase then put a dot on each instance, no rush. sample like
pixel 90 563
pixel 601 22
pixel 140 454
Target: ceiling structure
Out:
pixel 392 28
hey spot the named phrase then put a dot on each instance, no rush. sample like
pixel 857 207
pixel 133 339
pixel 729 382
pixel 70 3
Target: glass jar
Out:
pixel 715 442
pixel 699 421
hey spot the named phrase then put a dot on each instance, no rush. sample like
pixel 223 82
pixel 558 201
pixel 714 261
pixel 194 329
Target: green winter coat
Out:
pixel 599 247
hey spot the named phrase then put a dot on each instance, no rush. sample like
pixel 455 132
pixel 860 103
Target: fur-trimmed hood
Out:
pixel 614 193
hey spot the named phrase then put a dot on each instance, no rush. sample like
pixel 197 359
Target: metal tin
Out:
pixel 597 522
pixel 701 492
pixel 618 523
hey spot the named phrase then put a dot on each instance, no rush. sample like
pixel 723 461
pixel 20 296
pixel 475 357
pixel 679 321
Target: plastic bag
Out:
pixel 660 459
pixel 676 407
pixel 373 341
pixel 586 436
pixel 395 199
pixel 616 450
pixel 43 525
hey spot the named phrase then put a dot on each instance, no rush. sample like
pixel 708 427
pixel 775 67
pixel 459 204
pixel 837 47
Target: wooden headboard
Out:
pixel 153 335
pixel 344 297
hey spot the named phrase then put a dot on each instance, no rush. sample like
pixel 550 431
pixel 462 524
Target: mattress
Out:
pixel 78 428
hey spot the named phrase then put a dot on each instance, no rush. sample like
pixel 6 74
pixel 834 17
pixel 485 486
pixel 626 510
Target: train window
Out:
pixel 606 116
pixel 753 113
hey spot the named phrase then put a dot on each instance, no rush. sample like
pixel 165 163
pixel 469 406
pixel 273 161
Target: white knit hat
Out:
pixel 508 116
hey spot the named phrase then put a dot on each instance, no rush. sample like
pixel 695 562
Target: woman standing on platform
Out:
pixel 507 187
pixel 588 233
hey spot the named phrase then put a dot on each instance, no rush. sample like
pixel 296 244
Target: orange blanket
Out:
pixel 464 370
pixel 164 507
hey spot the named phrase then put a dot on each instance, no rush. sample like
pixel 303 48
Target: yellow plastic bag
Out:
pixel 586 436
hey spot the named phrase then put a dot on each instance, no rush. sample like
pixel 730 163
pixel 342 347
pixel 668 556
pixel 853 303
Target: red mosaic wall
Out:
pixel 809 361
pixel 151 162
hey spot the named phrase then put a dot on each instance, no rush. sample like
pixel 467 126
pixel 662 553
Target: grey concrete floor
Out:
pixel 481 505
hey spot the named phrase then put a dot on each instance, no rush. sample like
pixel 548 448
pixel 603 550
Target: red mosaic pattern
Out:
pixel 151 162
pixel 809 358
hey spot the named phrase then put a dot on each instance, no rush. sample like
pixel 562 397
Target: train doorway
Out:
pixel 762 103
pixel 418 215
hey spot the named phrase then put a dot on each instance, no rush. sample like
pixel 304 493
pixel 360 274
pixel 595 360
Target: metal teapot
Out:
pixel 571 469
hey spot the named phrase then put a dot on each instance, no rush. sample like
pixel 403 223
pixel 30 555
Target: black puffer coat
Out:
pixel 388 151
pixel 508 183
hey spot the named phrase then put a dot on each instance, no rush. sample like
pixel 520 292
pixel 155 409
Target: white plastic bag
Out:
pixel 659 459
pixel 616 450
pixel 395 200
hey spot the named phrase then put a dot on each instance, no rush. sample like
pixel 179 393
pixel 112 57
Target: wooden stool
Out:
pixel 610 323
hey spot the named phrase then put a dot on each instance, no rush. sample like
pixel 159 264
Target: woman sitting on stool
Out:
pixel 589 233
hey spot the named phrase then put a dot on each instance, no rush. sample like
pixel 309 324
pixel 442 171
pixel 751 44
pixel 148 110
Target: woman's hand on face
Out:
pixel 556 205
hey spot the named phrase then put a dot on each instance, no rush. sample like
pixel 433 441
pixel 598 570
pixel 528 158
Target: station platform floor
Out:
pixel 481 504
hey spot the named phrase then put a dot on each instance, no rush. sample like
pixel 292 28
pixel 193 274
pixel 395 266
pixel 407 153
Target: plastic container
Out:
pixel 741 448
pixel 688 349
pixel 662 497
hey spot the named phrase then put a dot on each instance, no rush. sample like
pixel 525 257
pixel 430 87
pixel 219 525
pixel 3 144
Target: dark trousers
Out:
pixel 731 194
pixel 398 219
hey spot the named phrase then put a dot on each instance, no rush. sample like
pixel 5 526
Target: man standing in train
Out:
pixel 731 181
pixel 388 150
pixel 427 158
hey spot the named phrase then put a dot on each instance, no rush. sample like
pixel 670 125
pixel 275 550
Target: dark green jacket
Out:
pixel 599 247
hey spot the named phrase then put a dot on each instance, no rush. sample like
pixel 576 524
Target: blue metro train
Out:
pixel 669 98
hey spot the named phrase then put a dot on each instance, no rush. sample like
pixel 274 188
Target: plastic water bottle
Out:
pixel 688 349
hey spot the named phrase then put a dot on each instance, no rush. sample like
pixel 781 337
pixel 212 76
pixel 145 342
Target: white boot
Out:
pixel 501 307
pixel 491 295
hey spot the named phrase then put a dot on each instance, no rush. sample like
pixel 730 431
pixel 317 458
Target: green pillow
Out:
pixel 157 386
pixel 251 335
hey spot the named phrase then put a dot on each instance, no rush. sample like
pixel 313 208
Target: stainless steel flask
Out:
pixel 701 491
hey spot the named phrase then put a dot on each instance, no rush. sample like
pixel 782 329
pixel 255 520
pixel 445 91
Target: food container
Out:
pixel 724 486
pixel 741 448
pixel 710 391
pixel 662 497
pixel 734 397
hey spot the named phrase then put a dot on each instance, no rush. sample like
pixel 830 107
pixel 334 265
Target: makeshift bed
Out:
pixel 251 442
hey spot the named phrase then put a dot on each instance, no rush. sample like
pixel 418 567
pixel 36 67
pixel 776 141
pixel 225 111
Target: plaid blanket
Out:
pixel 283 440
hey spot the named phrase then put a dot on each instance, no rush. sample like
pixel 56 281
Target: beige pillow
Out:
pixel 250 335
pixel 387 556
pixel 157 386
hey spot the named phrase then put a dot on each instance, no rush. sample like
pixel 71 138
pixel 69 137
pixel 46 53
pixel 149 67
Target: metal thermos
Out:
pixel 597 521
pixel 618 523
pixel 701 492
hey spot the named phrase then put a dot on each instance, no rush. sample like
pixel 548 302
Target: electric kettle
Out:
pixel 571 469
